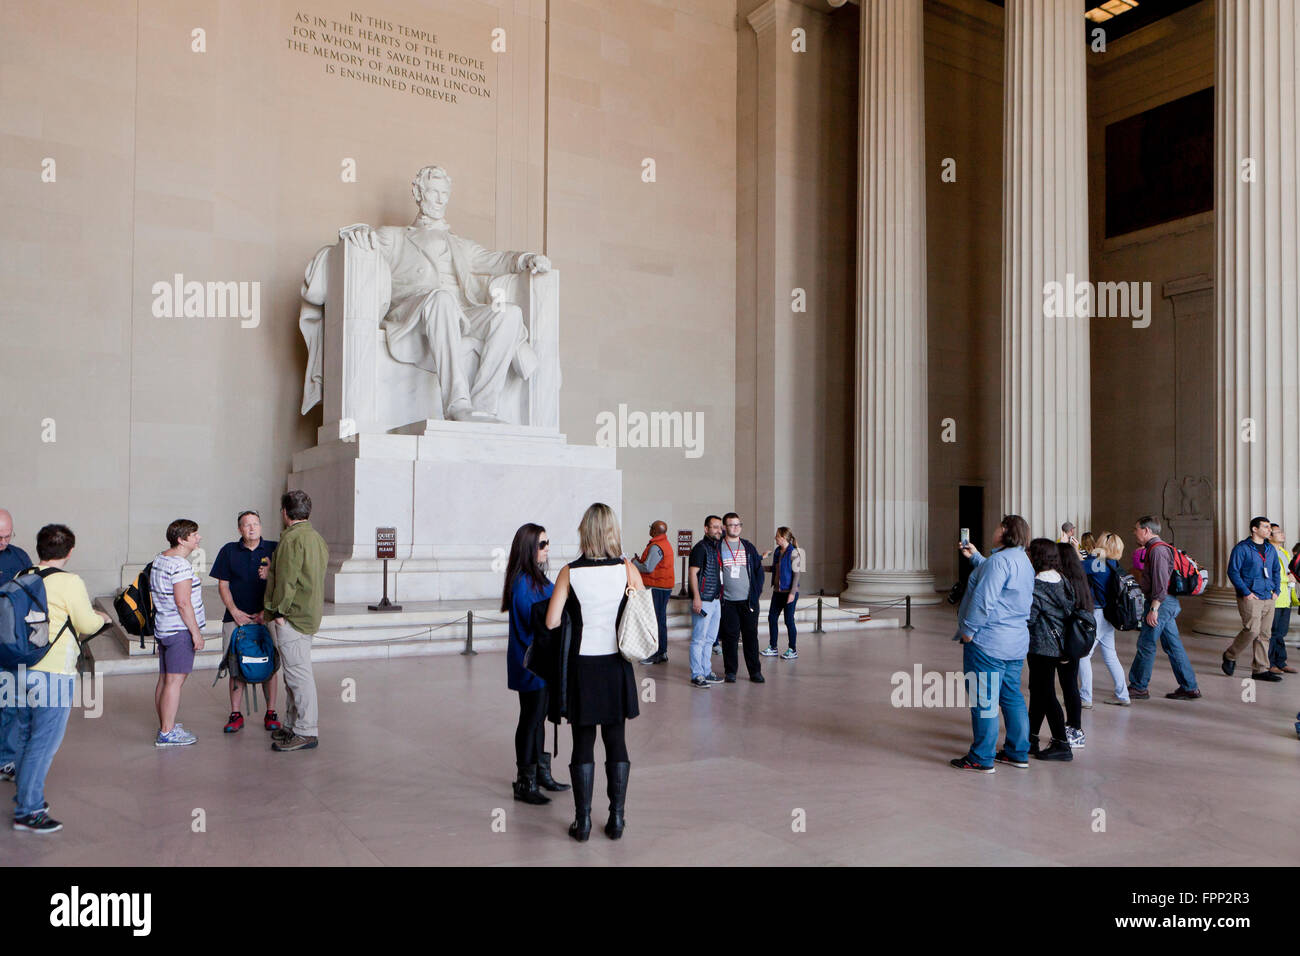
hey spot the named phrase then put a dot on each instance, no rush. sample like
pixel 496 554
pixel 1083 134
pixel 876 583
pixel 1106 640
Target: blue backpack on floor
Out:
pixel 25 621
pixel 252 658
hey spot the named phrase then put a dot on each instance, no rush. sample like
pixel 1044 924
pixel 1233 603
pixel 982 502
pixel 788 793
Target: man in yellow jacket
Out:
pixel 1286 599
pixel 47 688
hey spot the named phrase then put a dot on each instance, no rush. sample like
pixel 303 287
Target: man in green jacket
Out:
pixel 295 595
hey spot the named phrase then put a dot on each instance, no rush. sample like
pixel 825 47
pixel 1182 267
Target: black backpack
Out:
pixel 1124 600
pixel 1080 630
pixel 134 606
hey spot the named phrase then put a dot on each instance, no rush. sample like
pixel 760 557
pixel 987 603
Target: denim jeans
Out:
pixel 660 597
pixel 8 734
pixel 992 682
pixel 40 731
pixel 1277 641
pixel 1166 632
pixel 1106 643
pixel 704 631
pixel 783 602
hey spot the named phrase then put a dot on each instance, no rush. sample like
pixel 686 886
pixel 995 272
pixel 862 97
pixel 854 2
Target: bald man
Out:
pixel 656 567
pixel 13 559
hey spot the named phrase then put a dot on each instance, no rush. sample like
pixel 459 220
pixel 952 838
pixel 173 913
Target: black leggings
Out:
pixel 614 735
pixel 530 735
pixel 1043 673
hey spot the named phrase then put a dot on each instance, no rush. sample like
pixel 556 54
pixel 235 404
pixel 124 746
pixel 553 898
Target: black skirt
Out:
pixel 602 690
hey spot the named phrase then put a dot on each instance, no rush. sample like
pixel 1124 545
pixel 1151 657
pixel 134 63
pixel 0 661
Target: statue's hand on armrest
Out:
pixel 536 263
pixel 360 235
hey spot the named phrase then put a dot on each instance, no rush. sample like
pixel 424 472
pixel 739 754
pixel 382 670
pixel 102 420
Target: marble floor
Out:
pixel 416 770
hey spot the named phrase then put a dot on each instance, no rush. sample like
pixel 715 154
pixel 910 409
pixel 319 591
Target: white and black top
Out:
pixel 602 685
pixel 599 587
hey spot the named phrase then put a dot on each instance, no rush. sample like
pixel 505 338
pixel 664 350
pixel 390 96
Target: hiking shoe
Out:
pixel 790 654
pixel 178 736
pixel 964 763
pixel 768 652
pixel 295 743
pixel 1135 693
pixel 38 822
pixel 8 772
pixel 271 721
pixel 281 735
pixel 1002 758
pixel 1184 694
pixel 235 724
pixel 712 678
pixel 699 682
pixel 1075 738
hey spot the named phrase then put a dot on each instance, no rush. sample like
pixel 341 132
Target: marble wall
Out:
pixel 228 155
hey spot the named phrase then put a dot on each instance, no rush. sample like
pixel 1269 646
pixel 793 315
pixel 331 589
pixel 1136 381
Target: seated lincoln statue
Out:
pixel 438 316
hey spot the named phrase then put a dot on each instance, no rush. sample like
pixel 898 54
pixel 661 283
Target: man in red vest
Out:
pixel 656 567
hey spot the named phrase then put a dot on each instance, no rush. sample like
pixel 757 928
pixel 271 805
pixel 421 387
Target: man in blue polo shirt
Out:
pixel 13 559
pixel 240 570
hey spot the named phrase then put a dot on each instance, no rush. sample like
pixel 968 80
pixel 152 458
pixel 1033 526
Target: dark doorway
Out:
pixel 970 514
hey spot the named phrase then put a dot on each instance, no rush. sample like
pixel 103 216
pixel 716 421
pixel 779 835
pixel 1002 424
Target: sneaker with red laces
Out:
pixel 235 724
pixel 965 763
pixel 271 721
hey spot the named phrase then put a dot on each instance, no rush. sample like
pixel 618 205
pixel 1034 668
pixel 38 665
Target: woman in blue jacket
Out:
pixel 526 584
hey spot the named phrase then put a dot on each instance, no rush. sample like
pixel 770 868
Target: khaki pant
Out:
pixel 300 708
pixel 1256 628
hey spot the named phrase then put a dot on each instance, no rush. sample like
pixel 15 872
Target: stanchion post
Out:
pixel 819 629
pixel 907 606
pixel 469 635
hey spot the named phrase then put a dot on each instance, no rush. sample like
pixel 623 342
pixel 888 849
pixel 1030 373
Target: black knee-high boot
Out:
pixel 544 778
pixel 584 778
pixel 616 786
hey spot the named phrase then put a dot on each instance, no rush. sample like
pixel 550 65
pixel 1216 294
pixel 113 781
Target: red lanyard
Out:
pixel 733 553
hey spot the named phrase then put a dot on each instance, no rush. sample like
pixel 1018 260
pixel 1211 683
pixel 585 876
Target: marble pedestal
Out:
pixel 456 492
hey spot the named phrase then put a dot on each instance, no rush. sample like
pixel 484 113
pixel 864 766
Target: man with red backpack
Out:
pixel 1159 624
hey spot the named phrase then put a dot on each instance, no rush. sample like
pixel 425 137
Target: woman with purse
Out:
pixel 1051 608
pixel 526 584
pixel 599 683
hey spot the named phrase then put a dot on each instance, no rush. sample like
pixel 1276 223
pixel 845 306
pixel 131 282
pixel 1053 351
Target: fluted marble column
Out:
pixel 890 471
pixel 1046 417
pixel 1257 263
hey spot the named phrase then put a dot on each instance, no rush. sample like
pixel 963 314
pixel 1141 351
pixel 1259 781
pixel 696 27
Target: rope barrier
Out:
pixel 905 601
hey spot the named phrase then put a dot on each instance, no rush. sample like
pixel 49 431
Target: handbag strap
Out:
pixel 627 569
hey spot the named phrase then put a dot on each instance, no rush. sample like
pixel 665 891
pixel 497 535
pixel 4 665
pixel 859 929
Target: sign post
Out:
pixel 385 548
pixel 684 539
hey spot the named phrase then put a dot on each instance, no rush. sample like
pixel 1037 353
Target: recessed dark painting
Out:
pixel 1160 164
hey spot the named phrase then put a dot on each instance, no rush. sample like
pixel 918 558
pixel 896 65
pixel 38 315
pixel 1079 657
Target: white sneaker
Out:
pixel 178 736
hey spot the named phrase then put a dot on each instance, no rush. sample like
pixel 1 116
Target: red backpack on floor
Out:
pixel 1187 577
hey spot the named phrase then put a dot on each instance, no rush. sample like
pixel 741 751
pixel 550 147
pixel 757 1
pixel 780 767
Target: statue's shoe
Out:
pixel 477 416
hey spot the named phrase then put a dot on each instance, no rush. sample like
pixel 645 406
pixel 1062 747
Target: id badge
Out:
pixel 735 571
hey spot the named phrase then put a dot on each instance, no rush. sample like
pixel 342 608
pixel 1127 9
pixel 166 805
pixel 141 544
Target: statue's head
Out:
pixel 432 191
